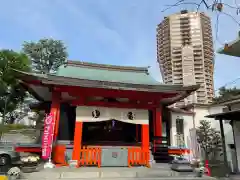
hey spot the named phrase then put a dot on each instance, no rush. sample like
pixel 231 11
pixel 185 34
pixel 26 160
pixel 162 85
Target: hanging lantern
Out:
pixel 131 115
pixel 96 114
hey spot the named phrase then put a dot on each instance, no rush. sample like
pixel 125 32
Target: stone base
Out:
pixel 181 166
pixel 94 173
pixel 49 165
pixel 73 163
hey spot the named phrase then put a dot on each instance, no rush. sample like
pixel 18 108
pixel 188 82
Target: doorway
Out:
pixel 110 132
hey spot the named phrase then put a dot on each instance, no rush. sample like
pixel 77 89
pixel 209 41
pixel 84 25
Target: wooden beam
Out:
pixel 158 123
pixel 55 111
pixel 112 104
pixel 34 82
pixel 131 94
pixel 223 144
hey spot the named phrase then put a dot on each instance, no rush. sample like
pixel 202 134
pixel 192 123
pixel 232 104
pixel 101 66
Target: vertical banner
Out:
pixel 194 146
pixel 47 137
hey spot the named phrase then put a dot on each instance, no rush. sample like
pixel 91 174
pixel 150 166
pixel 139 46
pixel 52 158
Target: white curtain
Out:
pixel 84 114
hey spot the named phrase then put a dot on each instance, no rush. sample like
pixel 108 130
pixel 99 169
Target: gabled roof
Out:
pixel 230 115
pixel 110 73
pixel 90 75
pixel 229 101
pixel 179 110
pixel 231 48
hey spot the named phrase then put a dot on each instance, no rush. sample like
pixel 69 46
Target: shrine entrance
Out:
pixel 110 132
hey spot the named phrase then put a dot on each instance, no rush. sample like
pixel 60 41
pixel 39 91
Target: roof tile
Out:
pixel 108 73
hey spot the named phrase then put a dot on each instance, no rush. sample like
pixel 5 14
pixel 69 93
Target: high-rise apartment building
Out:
pixel 185 53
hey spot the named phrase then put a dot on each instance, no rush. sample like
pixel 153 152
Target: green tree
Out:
pixel 11 92
pixel 226 93
pixel 209 139
pixel 46 54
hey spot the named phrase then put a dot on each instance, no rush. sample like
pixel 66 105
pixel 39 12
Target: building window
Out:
pixel 180 132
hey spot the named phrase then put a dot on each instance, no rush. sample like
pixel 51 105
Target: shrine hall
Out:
pixel 105 115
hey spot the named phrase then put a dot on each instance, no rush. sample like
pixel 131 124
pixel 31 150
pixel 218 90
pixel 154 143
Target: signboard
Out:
pixel 47 138
pixel 195 150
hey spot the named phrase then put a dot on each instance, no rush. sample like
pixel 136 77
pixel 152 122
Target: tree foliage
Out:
pixel 226 93
pixel 46 54
pixel 11 92
pixel 209 139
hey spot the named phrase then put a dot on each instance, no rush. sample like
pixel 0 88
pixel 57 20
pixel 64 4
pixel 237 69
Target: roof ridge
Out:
pixel 107 66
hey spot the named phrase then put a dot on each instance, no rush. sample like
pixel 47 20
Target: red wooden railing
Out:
pixel 90 156
pixel 138 156
pixel 159 141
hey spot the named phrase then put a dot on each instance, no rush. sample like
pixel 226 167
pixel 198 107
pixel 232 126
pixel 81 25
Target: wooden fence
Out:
pixel 90 156
pixel 138 156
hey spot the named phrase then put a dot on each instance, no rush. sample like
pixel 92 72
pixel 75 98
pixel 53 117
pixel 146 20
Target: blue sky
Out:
pixel 121 32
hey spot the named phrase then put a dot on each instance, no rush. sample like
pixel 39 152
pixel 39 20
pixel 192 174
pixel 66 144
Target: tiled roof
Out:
pixel 231 48
pixel 110 73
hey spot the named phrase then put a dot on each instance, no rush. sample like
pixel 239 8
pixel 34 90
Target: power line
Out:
pixel 215 5
pixel 228 83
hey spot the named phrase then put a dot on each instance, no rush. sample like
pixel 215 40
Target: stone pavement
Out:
pixel 93 173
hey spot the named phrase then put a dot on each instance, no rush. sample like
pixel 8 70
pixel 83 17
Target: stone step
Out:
pixel 160 178
pixel 152 174
pixel 157 171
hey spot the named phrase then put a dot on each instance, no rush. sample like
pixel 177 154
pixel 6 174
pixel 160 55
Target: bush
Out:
pixel 10 127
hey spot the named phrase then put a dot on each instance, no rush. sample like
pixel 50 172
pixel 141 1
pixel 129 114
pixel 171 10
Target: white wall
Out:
pixel 84 114
pixel 236 127
pixel 200 113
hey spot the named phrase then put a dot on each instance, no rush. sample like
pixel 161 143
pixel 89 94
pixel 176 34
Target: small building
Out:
pixel 230 116
pixel 190 117
pixel 102 112
pixel 231 113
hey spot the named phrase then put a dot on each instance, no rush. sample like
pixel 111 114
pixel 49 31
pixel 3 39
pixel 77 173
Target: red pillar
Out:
pixel 145 144
pixel 145 137
pixel 158 123
pixel 55 111
pixel 77 143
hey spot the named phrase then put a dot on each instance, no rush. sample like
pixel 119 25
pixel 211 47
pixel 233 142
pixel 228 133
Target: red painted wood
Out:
pixel 28 149
pixel 158 122
pixel 77 143
pixel 55 110
pixel 131 94
pixel 34 82
pixel 145 137
pixel 110 104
